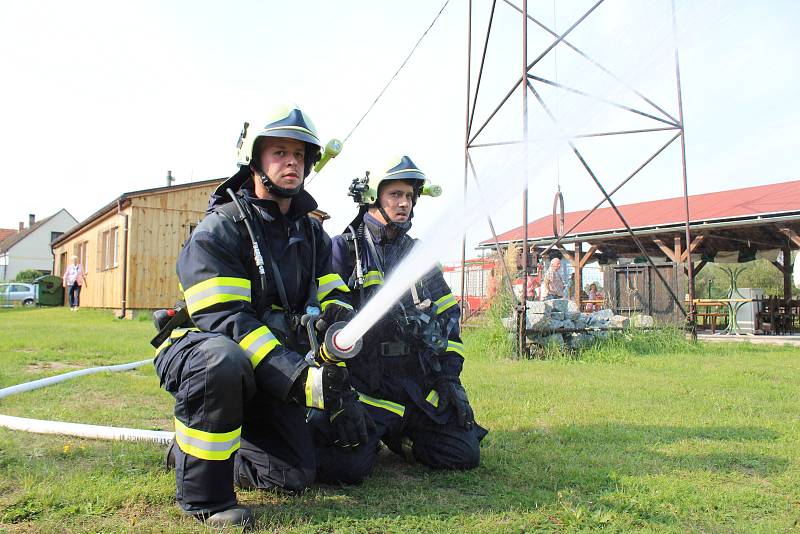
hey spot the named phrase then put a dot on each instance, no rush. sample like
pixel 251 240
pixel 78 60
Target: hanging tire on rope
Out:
pixel 558 214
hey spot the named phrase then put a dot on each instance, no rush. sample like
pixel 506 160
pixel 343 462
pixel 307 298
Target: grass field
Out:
pixel 647 434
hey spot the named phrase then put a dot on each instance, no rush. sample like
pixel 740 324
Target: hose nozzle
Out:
pixel 331 352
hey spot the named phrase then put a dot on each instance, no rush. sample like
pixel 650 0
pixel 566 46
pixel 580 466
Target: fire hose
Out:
pixel 332 351
pixel 41 426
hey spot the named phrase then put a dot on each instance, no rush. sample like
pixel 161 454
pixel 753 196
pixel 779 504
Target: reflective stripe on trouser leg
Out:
pixel 215 380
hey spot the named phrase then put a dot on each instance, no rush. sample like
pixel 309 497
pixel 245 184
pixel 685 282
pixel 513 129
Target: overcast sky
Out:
pixel 100 98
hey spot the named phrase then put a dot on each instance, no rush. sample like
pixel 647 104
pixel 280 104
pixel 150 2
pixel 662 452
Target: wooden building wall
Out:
pixel 103 285
pixel 160 225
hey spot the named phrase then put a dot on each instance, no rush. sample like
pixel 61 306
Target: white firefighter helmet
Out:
pixel 288 122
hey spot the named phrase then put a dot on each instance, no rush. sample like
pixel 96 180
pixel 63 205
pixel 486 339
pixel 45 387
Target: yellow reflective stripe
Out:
pixel 433 398
pixel 175 334
pixel 258 344
pixel 445 302
pixel 314 396
pixel 324 356
pixel 455 346
pixel 166 343
pixel 393 407
pixel 180 332
pixel 215 291
pixel 275 307
pixel 207 445
pixel 372 278
pixel 217 281
pixel 328 283
pixel 339 302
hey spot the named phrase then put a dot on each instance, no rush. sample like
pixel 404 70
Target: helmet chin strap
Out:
pixel 390 223
pixel 274 189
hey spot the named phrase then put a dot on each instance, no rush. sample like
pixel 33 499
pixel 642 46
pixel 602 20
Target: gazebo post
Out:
pixel 578 265
pixel 787 271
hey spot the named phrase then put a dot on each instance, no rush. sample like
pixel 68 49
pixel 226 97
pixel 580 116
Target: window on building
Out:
pixel 55 235
pixel 79 249
pixel 115 247
pixel 62 264
pixel 107 248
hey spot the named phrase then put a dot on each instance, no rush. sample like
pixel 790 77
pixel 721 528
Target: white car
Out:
pixel 17 292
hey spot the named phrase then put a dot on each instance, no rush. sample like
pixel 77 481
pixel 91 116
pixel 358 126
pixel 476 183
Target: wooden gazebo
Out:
pixel 737 225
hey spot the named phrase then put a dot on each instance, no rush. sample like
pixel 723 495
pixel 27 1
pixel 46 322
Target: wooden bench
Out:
pixel 714 309
pixel 713 315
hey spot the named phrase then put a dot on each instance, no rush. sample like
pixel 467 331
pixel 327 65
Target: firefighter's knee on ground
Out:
pixel 349 468
pixel 457 451
pixel 299 479
pixel 272 474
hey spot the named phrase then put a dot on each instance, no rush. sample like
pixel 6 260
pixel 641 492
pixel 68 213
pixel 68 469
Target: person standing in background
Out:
pixel 553 282
pixel 592 295
pixel 74 279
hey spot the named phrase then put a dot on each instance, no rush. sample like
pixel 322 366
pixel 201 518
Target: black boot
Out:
pixel 236 516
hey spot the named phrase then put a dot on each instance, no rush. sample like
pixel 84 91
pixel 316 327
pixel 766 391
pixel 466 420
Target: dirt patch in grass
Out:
pixel 38 367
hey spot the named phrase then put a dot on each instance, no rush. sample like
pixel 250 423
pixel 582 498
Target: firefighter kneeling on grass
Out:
pixel 407 373
pixel 254 265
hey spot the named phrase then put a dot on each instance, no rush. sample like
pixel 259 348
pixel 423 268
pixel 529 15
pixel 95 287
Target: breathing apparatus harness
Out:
pixel 237 210
pixel 417 322
pixel 256 236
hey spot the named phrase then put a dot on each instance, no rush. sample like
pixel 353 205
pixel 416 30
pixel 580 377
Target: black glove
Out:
pixel 350 421
pixel 333 313
pixel 452 394
pixel 328 387
pixel 322 386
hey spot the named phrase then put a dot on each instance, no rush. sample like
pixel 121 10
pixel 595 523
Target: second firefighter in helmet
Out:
pixel 390 196
pixel 407 373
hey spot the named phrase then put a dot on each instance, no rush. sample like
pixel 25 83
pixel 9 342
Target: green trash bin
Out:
pixel 49 291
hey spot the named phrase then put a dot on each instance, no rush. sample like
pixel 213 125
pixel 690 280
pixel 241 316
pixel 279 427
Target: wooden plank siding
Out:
pixel 103 286
pixel 160 235
pixel 158 226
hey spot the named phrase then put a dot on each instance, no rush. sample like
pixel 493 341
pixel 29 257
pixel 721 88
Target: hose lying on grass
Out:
pixel 79 430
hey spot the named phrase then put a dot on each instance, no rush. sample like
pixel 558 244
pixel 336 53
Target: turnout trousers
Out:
pixel 405 430
pixel 227 430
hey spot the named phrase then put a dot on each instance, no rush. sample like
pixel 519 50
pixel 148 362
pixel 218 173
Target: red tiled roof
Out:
pixel 5 232
pixel 16 237
pixel 736 203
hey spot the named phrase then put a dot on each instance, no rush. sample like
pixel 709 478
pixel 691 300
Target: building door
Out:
pixel 637 289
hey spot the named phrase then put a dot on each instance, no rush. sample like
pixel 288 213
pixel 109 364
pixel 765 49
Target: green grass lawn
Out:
pixel 643 436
